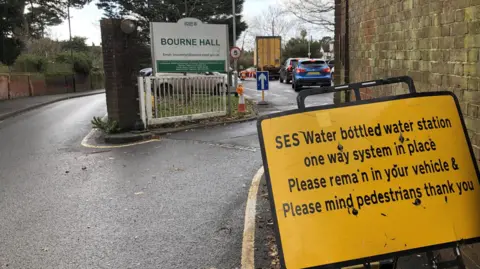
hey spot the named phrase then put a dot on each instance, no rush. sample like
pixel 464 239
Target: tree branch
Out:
pixel 315 12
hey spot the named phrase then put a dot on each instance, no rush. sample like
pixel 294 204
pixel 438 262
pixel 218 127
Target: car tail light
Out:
pixel 301 70
pixel 289 68
pixel 326 70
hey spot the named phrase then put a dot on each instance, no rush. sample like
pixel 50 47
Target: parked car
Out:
pixel 146 72
pixel 331 63
pixel 287 69
pixel 311 72
pixel 221 80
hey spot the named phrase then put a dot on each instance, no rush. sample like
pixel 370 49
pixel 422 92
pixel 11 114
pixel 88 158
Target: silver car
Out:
pixel 208 82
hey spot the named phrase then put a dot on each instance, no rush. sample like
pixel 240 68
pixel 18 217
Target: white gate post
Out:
pixel 141 100
pixel 148 92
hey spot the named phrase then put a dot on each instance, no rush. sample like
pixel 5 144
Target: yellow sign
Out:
pixel 373 179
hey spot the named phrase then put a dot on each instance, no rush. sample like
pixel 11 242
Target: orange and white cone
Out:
pixel 241 99
pixel 241 103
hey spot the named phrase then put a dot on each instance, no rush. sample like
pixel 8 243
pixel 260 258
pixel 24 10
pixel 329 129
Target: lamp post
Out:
pixel 235 71
pixel 71 49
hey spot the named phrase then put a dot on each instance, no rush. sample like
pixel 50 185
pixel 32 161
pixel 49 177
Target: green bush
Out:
pixel 82 64
pixel 31 63
pixel 56 69
pixel 98 80
pixel 37 76
pixel 108 126
pixel 4 69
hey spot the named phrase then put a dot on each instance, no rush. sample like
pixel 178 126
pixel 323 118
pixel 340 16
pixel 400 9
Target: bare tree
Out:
pixel 315 12
pixel 274 22
pixel 246 39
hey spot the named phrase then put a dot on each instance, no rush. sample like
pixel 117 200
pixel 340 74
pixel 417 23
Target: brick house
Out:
pixel 436 42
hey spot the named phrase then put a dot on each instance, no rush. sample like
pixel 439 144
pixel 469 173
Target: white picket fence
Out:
pixel 169 99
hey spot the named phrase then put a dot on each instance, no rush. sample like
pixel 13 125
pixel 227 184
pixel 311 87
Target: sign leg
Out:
pixel 458 255
pixel 263 102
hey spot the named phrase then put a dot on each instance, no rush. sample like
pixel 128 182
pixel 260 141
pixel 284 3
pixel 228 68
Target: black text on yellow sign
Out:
pixel 366 180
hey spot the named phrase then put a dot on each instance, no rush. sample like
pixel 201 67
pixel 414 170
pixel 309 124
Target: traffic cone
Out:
pixel 241 99
pixel 241 104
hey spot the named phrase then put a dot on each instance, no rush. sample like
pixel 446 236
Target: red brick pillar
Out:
pixel 121 68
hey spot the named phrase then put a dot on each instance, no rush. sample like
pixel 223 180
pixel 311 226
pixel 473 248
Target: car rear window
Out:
pixel 313 63
pixel 294 62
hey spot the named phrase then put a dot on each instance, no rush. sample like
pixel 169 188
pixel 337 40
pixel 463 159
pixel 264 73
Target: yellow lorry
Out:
pixel 267 55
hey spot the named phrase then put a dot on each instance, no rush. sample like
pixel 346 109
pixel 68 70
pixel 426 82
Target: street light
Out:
pixel 71 49
pixel 235 71
pixel 127 26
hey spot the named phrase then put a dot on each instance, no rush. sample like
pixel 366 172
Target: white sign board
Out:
pixel 189 45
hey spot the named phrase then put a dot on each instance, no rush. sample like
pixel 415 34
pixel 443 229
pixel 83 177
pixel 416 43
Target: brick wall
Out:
pixel 436 42
pixel 3 87
pixel 25 84
pixel 341 43
pixel 19 86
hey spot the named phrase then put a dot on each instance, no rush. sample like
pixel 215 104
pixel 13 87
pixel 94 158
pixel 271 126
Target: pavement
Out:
pixel 9 108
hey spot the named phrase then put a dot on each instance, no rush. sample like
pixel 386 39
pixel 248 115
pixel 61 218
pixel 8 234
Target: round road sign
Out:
pixel 235 52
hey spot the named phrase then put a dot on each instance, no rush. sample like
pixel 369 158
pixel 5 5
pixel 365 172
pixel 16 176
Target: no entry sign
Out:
pixel 370 179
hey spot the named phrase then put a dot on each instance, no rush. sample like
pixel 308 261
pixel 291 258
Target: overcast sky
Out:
pixel 85 22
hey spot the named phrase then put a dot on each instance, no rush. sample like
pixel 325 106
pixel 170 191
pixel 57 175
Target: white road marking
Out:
pixel 119 146
pixel 276 94
pixel 91 133
pixel 248 245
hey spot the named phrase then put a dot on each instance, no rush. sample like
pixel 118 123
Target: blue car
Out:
pixel 311 72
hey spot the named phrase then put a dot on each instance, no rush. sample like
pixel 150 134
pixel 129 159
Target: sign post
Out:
pixel 234 44
pixel 189 45
pixel 262 85
pixel 355 189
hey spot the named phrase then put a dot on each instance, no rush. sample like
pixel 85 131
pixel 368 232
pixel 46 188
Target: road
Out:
pixel 177 203
pixel 282 97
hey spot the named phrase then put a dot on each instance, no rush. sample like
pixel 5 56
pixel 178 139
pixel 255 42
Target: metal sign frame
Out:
pixel 356 88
